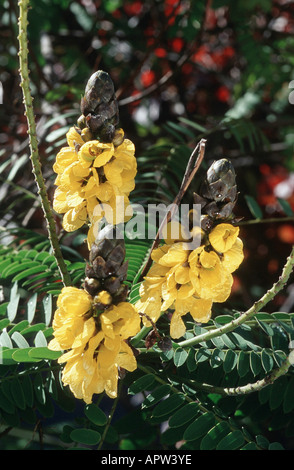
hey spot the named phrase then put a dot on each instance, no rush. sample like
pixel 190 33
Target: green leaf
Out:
pixel 85 436
pixel 39 389
pixel 277 392
pixel 266 328
pixel 5 340
pixel 4 323
pixel 143 383
pixel 288 404
pixel 223 319
pixel 19 340
pixel 255 363
pixel 6 404
pixel 267 361
pixel 180 357
pixel 13 302
pixel 253 206
pixel 262 441
pixel 232 441
pixel 285 206
pixel 47 305
pixel 217 358
pixel 203 354
pixel 214 436
pixel 167 406
pixel 200 427
pixel 23 355
pixel 95 414
pixel 275 446
pixel 31 307
pixel 18 394
pixel 29 272
pixel 156 395
pixel 40 340
pixel 230 361
pixel 243 364
pixel 27 390
pixel 44 353
pixel 183 415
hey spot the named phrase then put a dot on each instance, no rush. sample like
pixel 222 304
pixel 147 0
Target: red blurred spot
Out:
pixel 273 266
pixel 229 52
pixel 177 44
pixel 286 233
pixel 187 69
pixel 223 94
pixel 160 52
pixel 147 78
pixel 264 169
pixel 236 287
pixel 134 8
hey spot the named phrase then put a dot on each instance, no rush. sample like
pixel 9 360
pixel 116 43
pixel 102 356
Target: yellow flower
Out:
pixel 223 237
pixel 94 180
pixel 190 281
pixel 72 307
pixel 209 278
pixel 94 344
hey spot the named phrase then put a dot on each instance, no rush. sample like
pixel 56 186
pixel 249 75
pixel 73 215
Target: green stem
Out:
pixel 256 307
pixel 250 387
pixel 266 221
pixel 34 157
pixel 113 408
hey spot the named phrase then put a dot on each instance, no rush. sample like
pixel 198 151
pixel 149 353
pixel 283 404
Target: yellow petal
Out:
pixel 89 152
pixel 104 157
pixel 182 274
pixel 186 290
pixel 176 254
pixel 223 237
pixel 112 171
pixel 74 199
pixel 74 137
pixel 65 157
pixel 60 204
pixel 233 257
pixel 73 219
pixel 177 326
pixel 201 310
pixel 126 358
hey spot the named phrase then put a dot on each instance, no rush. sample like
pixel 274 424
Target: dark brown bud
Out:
pixel 92 286
pixel 220 183
pixel 99 107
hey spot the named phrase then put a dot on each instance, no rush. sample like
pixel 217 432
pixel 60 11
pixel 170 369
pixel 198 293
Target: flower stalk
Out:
pixel 34 156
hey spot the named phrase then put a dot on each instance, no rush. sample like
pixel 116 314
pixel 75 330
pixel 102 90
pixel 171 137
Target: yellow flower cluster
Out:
pixel 94 179
pixel 95 344
pixel 189 281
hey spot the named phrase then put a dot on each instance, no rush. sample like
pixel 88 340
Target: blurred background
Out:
pixel 183 70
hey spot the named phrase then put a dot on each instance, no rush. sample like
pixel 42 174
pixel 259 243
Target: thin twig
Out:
pixel 266 221
pixel 190 172
pixel 34 157
pixel 250 387
pixel 113 408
